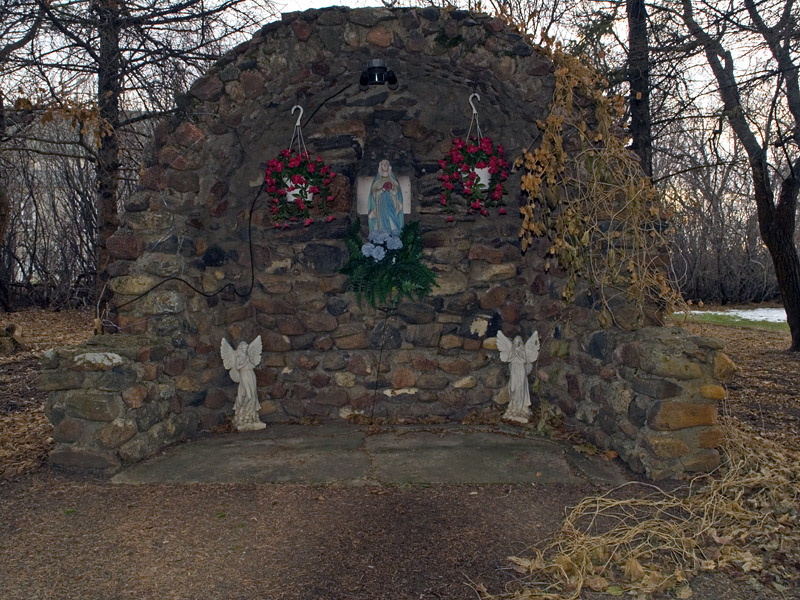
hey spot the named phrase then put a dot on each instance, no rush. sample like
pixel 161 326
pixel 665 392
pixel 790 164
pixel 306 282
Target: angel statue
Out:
pixel 521 358
pixel 240 363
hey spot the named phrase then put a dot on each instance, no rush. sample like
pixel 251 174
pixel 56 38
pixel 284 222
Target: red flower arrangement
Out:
pixel 297 184
pixel 460 176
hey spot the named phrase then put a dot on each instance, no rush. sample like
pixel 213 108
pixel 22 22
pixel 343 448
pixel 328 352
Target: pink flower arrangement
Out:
pixel 459 176
pixel 297 185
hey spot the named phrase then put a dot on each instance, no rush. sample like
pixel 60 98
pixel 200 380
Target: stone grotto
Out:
pixel 201 216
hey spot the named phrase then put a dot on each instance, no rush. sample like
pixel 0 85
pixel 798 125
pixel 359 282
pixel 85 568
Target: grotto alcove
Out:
pixel 198 257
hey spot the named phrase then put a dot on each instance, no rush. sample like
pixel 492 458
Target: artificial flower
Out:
pixel 459 174
pixel 298 185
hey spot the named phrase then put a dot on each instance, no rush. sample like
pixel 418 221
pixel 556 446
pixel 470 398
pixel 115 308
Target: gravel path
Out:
pixel 67 538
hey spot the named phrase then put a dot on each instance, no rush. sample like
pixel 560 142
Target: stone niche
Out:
pixel 650 393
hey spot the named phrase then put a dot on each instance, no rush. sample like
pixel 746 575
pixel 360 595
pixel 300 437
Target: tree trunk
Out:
pixel 777 224
pixel 639 82
pixel 109 86
pixel 776 221
pixel 5 213
pixel 787 272
pixel 5 296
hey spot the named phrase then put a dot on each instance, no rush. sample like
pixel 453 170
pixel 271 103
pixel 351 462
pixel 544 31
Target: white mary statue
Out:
pixel 521 358
pixel 385 205
pixel 241 364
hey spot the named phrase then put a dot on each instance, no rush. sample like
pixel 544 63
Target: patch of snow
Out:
pixel 772 315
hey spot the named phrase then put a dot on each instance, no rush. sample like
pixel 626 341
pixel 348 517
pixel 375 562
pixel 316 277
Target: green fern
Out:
pixel 399 274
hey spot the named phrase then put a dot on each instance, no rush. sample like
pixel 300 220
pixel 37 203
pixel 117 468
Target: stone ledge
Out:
pixel 75 458
pixel 672 415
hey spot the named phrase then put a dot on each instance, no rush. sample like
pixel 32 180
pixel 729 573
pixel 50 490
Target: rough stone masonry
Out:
pixel 650 393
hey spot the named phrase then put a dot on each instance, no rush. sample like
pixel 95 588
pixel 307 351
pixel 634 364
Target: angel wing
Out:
pixel 254 351
pixel 505 346
pixel 532 348
pixel 228 355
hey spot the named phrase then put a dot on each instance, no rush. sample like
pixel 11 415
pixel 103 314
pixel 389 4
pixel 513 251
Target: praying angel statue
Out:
pixel 240 363
pixel 521 358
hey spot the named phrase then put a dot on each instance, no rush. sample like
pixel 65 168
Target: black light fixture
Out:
pixel 377 73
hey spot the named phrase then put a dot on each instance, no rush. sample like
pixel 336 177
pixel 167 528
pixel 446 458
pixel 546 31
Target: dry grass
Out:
pixel 42 329
pixel 743 518
pixel 26 432
pixel 25 442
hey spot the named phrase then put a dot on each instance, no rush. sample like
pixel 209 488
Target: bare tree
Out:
pixel 638 70
pixel 718 255
pixel 107 67
pixel 766 32
pixel 539 18
pixel 683 111
pixel 20 21
pixel 120 43
pixel 49 244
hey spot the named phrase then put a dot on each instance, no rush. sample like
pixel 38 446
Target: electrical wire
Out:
pixel 227 285
pixel 249 241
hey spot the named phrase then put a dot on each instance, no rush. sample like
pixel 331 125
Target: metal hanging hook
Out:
pixel 474 120
pixel 478 98
pixel 297 134
pixel 300 117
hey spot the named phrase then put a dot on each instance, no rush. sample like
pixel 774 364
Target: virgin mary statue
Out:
pixel 385 209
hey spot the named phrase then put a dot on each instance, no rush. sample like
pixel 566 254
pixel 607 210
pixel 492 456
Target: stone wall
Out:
pixel 648 393
pixel 115 400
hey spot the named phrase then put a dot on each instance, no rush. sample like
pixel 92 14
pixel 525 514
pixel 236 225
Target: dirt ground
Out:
pixel 766 390
pixel 65 537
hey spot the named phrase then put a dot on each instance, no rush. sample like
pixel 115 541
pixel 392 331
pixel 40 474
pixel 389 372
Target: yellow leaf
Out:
pixel 599 554
pixel 749 562
pixel 523 565
pixel 633 569
pixel 652 581
pixel 721 540
pixel 707 565
pixel 597 583
pixel 563 565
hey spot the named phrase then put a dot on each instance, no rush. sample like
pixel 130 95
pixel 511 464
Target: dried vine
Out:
pixel 743 519
pixel 587 196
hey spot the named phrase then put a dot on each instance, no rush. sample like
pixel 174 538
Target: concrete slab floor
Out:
pixel 398 455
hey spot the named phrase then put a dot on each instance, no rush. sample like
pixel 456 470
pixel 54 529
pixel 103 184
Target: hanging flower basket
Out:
pixel 476 171
pixel 298 186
